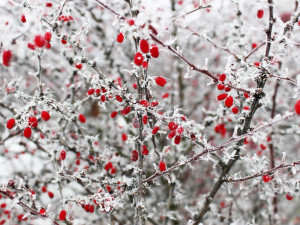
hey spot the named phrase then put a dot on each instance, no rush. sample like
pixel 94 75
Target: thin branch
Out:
pixel 284 78
pixel 269 172
pixel 254 50
pixel 193 67
pixel 290 24
pixel 211 41
pixel 114 12
pixel 190 12
pixel 61 10
pixel 38 74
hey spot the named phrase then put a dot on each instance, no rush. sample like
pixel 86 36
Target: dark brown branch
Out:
pixel 254 50
pixel 269 31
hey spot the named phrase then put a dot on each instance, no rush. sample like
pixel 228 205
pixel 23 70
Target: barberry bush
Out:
pixel 149 112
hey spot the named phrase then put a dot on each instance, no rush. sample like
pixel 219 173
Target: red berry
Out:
pixel 179 130
pixel 154 51
pixel 50 194
pixel 138 59
pixel 45 115
pixel 130 22
pixel 221 86
pixel 144 46
pixel 91 91
pixel 172 134
pixel 23 18
pixel 113 114
pixel 39 41
pixel 62 215
pixel 153 104
pixel 92 208
pixel 48 4
pixel 119 98
pixel 134 155
pixel 48 36
pixel 145 119
pixel 78 66
pixel 42 211
pixel 11 183
pixel 145 150
pixel 177 139
pixel 7 55
pixel 222 204
pixel 81 118
pixel 235 110
pixel 10 123
pixel 227 89
pixel 193 137
pixel 103 98
pixel 246 95
pixel 263 147
pixel 246 108
pixel 63 154
pixel 124 137
pixel 229 101
pixel 256 63
pixel 289 197
pixel 254 45
pixel 87 208
pixel 127 110
pixel 21 217
pixel 31 46
pixel 266 178
pixel 32 122
pixel 221 97
pixel 48 45
pixel 297 107
pixel 144 103
pixel 134 85
pixel 64 40
pixel 162 166
pixel 155 130
pixel 108 166
pixel 98 91
pixel 160 81
pixel 260 13
pixel 113 170
pixel 44 189
pixel 145 65
pixel 222 77
pixel 108 188
pixel 120 38
pixel 27 132
pixel 172 125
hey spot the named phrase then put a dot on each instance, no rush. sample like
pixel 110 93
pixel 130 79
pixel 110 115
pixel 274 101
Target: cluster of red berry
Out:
pixel 32 123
